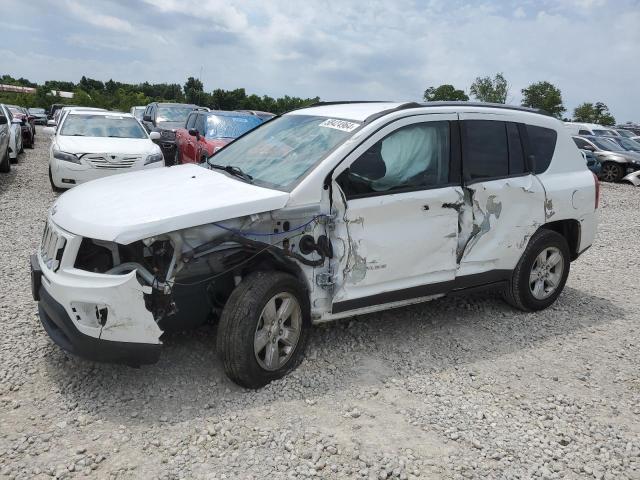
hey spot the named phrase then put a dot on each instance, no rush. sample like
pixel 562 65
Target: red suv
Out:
pixel 205 133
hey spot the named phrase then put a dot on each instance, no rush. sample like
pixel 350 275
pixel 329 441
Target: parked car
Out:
pixel 207 132
pixel 27 125
pixel 5 133
pixel 166 118
pixel 576 128
pixel 632 127
pixel 323 213
pixel 89 145
pixel 628 144
pixel 137 112
pixel 623 132
pixel 54 108
pixel 636 139
pixel 15 134
pixel 264 116
pixel 61 112
pixel 616 161
pixel 40 116
pixel 592 161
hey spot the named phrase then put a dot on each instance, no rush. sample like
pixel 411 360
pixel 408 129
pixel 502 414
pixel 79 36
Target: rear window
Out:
pixel 542 144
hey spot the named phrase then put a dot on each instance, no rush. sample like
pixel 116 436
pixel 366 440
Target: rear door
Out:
pixel 506 200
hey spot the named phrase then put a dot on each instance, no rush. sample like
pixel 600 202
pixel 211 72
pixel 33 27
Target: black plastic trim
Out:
pixel 489 279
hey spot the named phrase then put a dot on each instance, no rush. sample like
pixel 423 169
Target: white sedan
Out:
pixel 90 144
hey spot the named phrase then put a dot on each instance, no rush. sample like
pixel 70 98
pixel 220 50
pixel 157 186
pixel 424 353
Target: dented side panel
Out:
pixel 392 242
pixel 499 217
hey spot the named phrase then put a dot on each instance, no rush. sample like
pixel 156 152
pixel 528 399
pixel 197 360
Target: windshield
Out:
pixel 604 133
pixel 629 144
pixel 173 114
pixel 102 126
pixel 625 133
pixel 283 150
pixel 223 126
pixel 608 145
pixel 36 110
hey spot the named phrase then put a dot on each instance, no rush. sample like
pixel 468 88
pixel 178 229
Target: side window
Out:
pixel 542 144
pixel 412 157
pixel 191 120
pixel 580 143
pixel 516 154
pixel 485 152
pixel 200 124
pixel 584 132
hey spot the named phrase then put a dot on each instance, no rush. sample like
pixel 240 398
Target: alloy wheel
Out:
pixel 278 331
pixel 546 273
pixel 610 172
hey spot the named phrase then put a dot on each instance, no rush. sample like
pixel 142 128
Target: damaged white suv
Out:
pixel 323 213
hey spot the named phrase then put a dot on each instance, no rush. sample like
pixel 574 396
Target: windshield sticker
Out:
pixel 339 125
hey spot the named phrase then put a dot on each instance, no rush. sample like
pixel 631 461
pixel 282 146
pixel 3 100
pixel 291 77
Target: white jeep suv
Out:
pixel 322 213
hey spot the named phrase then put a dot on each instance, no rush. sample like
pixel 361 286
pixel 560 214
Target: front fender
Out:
pixel 633 178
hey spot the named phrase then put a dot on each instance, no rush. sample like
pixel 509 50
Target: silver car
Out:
pixel 616 161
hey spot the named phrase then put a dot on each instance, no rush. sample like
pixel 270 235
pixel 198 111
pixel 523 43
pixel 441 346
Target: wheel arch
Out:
pixel 570 229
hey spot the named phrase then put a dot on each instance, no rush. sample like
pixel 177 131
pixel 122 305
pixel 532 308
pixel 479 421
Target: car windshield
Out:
pixel 628 144
pixel 224 126
pixel 608 145
pixel 36 110
pixel 102 126
pixel 281 151
pixel 604 133
pixel 173 114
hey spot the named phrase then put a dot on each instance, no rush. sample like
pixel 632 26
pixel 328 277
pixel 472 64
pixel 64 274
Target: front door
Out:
pixel 397 197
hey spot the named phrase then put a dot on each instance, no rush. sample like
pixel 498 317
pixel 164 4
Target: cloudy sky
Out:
pixel 344 49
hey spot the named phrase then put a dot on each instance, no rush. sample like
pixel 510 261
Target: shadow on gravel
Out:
pixel 188 381
pixel 8 179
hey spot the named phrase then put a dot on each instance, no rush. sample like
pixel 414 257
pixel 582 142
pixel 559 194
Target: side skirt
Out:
pixel 407 296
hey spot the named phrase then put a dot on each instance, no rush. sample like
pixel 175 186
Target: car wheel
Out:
pixel 53 185
pixel 611 172
pixel 5 165
pixel 264 328
pixel 541 273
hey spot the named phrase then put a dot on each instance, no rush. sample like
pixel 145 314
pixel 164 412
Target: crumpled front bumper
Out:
pixel 100 319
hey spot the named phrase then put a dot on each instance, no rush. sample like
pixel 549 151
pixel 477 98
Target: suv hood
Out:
pixel 105 145
pixel 132 206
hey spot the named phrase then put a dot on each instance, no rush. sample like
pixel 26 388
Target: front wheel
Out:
pixel 5 165
pixel 611 172
pixel 541 273
pixel 264 328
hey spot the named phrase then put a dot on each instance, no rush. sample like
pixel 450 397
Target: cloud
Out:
pixel 338 49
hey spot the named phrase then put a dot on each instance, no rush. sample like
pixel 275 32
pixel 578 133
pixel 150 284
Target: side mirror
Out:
pixel 194 133
pixel 147 118
pixel 51 123
pixel 154 135
pixel 49 131
pixel 3 120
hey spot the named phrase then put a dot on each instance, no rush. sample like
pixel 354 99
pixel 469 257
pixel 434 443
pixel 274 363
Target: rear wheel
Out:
pixel 611 172
pixel 264 328
pixel 541 273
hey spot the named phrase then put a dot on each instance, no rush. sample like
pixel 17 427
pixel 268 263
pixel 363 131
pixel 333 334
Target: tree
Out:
pixel 444 92
pixel 492 90
pixel 593 113
pixel 193 91
pixel 545 96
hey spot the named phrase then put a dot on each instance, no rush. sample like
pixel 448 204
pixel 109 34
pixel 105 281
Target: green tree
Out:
pixel 444 92
pixel 491 90
pixel 193 90
pixel 545 96
pixel 593 113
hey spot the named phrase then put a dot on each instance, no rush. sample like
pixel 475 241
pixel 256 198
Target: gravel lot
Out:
pixel 463 387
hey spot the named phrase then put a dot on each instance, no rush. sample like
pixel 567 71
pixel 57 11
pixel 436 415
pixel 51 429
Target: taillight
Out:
pixel 595 179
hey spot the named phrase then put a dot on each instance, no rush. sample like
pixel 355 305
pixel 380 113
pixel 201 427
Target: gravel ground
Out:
pixel 462 387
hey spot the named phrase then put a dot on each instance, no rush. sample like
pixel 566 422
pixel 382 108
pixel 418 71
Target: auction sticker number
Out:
pixel 340 125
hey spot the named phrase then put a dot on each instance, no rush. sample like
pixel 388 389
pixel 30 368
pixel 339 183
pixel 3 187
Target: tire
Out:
pixel 245 316
pixel 5 166
pixel 611 172
pixel 523 291
pixel 53 185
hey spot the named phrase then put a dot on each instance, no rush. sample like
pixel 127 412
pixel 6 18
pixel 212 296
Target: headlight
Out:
pixel 67 157
pixel 153 158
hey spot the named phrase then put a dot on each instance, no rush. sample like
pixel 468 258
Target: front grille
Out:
pixel 168 134
pixel 112 162
pixel 52 247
